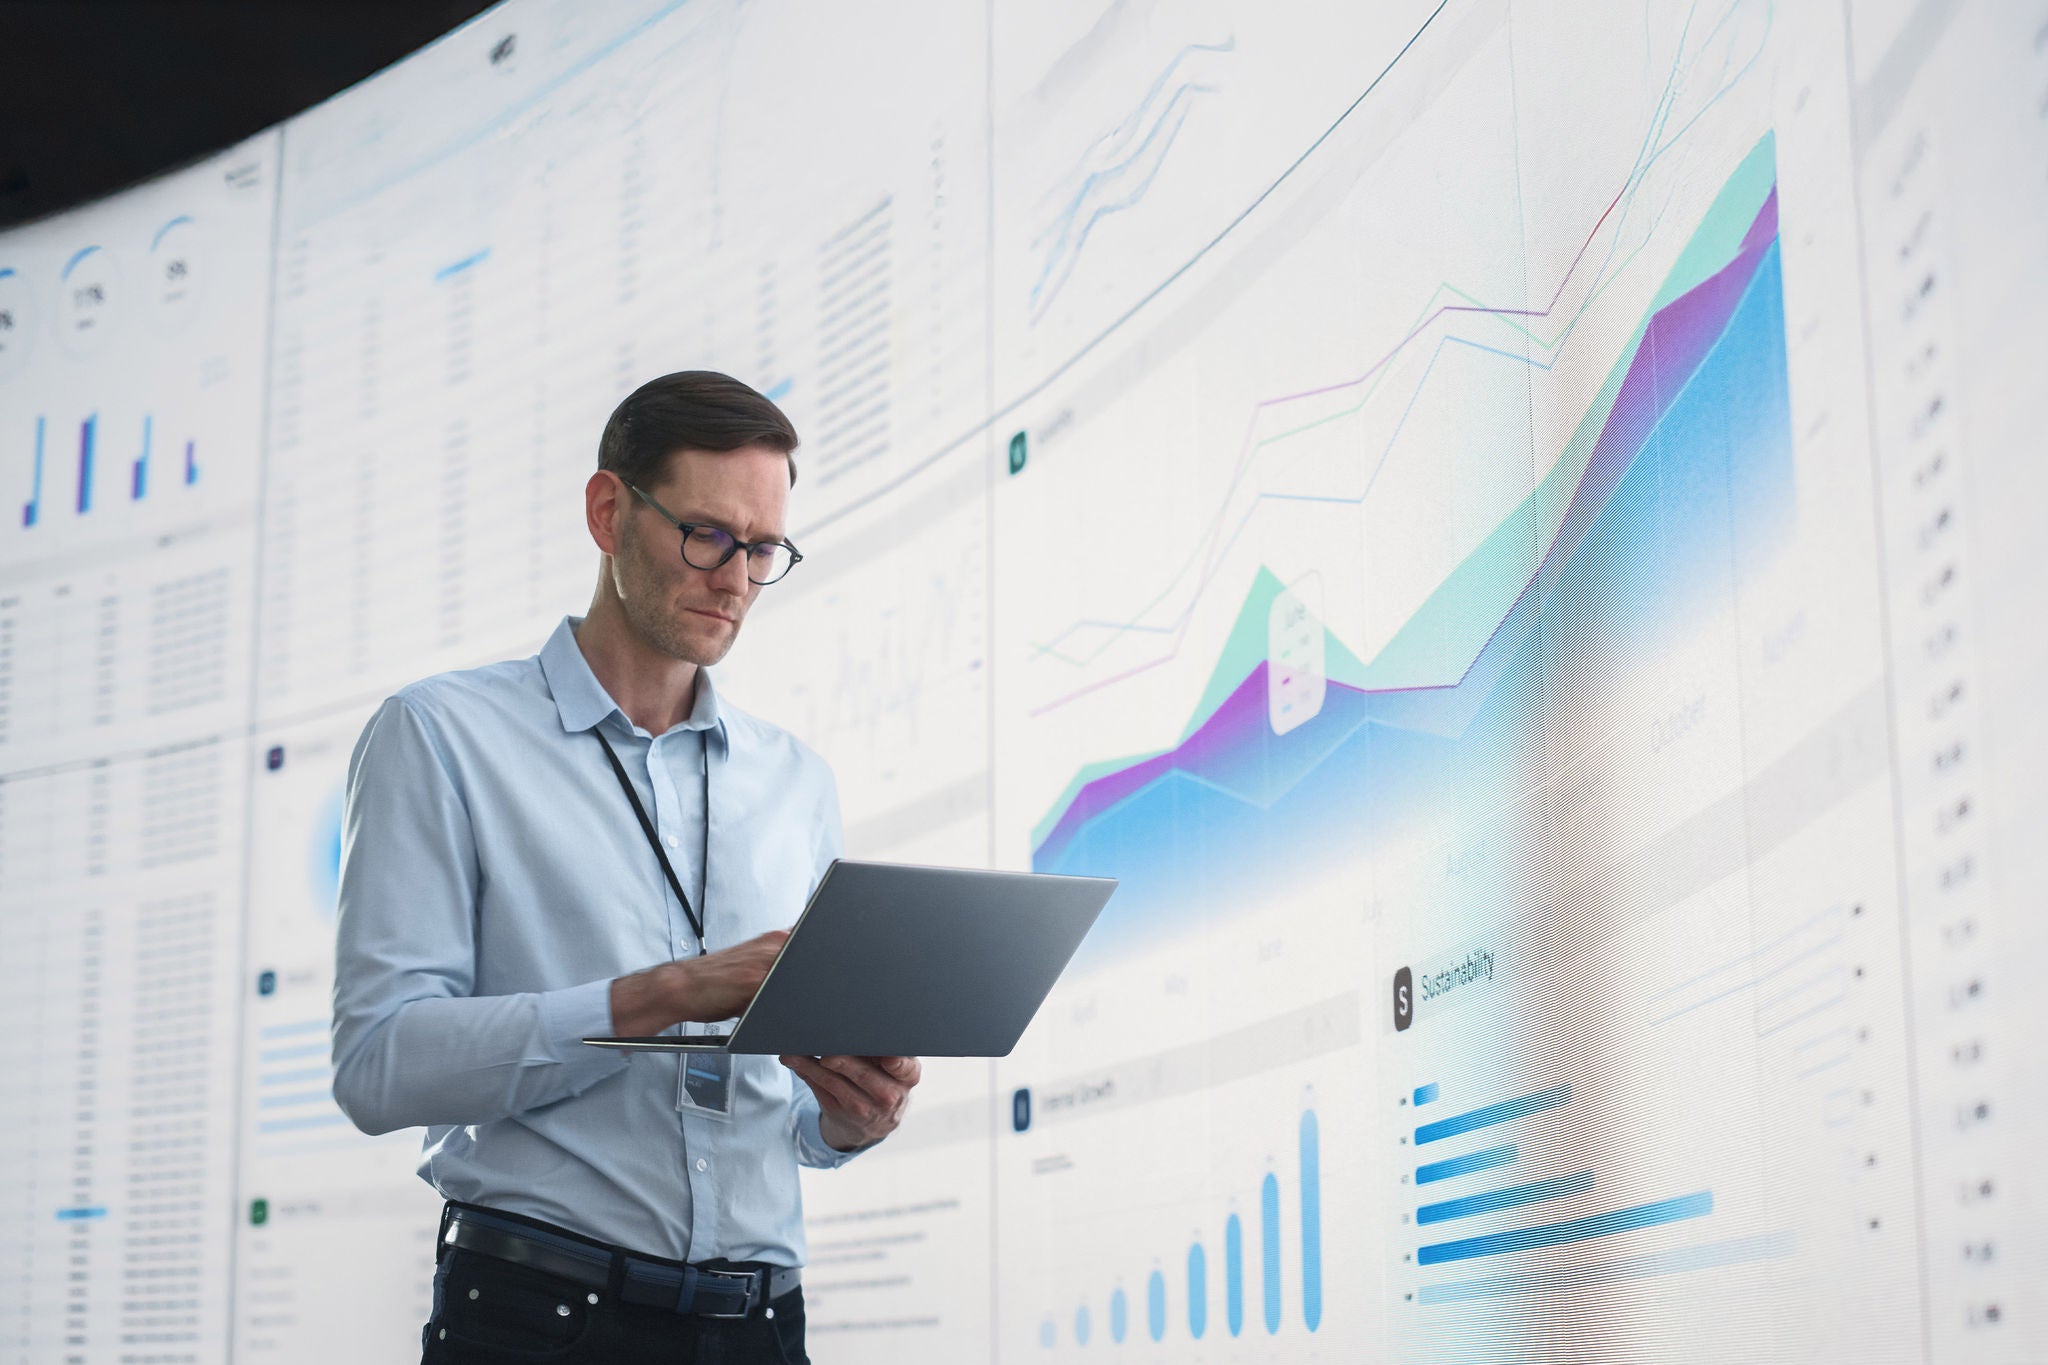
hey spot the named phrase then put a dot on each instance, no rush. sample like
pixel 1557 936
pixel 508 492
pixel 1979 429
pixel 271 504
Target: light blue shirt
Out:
pixel 494 881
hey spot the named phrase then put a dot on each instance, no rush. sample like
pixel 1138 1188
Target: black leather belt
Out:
pixel 704 1290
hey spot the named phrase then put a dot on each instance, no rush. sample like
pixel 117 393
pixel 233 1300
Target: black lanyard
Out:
pixel 654 841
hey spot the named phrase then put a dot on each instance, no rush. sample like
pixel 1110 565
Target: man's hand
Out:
pixel 694 990
pixel 860 1099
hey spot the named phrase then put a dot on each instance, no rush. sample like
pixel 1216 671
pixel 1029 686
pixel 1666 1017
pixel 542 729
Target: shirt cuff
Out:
pixel 569 1016
pixel 812 1149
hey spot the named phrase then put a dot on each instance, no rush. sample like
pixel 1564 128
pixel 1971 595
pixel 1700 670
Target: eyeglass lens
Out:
pixel 707 547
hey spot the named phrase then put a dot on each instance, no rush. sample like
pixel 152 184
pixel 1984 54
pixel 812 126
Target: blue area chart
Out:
pixel 1683 487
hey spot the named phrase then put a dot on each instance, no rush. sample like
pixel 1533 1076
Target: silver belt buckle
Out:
pixel 751 1279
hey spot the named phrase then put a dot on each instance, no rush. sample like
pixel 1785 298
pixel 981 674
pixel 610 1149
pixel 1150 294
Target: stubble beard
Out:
pixel 645 602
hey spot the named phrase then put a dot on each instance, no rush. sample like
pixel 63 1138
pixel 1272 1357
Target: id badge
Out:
pixel 704 1084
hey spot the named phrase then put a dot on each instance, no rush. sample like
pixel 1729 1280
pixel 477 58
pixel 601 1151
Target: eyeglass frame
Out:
pixel 796 556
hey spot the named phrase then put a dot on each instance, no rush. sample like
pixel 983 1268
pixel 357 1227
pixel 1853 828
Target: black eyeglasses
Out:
pixel 707 547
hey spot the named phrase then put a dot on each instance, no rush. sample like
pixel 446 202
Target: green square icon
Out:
pixel 259 1212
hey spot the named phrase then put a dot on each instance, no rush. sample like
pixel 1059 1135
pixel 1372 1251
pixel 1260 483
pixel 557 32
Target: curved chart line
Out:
pixel 1143 127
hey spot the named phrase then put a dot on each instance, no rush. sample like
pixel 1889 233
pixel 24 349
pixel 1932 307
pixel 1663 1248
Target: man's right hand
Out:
pixel 694 990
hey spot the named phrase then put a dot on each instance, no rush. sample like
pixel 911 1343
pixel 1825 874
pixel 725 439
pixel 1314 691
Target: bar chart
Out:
pixel 86 488
pixel 1281 1269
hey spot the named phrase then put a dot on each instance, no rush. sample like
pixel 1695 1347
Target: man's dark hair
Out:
pixel 689 410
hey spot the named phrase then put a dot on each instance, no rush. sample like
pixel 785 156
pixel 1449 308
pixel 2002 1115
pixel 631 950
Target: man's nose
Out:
pixel 731 576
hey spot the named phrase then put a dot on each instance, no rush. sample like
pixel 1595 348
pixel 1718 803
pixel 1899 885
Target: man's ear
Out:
pixel 602 507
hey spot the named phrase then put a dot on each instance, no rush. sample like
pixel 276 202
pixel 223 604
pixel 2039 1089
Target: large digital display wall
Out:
pixel 1511 527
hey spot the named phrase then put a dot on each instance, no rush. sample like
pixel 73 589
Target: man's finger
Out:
pixel 885 1088
pixel 908 1070
pixel 833 1091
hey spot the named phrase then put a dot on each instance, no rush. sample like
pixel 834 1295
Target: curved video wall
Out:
pixel 1509 526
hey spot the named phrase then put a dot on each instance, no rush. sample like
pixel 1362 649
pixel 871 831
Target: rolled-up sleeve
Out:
pixel 412 1045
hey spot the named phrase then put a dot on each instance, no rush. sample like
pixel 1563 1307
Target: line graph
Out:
pixel 1083 642
pixel 1117 169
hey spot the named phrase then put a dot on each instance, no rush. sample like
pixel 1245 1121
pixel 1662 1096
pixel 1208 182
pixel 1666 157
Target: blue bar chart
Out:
pixel 1281 1277
pixel 93 433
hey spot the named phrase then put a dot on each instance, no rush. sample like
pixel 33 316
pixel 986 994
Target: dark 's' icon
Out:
pixel 1404 999
pixel 1020 1110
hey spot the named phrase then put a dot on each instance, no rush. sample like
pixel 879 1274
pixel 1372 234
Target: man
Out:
pixel 521 842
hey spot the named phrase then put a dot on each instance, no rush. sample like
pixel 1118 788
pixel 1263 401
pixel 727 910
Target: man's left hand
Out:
pixel 860 1099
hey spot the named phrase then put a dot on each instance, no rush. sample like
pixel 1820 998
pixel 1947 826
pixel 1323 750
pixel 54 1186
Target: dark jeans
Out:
pixel 491 1312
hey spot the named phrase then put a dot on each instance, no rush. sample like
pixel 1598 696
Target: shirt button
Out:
pixel 702 1164
pixel 671 841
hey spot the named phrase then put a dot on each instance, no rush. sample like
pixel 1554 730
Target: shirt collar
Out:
pixel 582 702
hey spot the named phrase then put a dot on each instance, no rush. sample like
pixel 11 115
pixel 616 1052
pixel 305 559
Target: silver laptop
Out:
pixel 891 960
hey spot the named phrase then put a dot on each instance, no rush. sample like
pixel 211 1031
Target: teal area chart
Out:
pixel 1678 478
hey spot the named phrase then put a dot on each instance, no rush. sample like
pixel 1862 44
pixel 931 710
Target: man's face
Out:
pixel 688 613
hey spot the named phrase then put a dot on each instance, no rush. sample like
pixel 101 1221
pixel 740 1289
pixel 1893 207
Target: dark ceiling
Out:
pixel 98 94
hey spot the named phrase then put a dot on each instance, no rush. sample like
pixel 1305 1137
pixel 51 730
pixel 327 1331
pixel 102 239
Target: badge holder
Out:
pixel 704 1083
